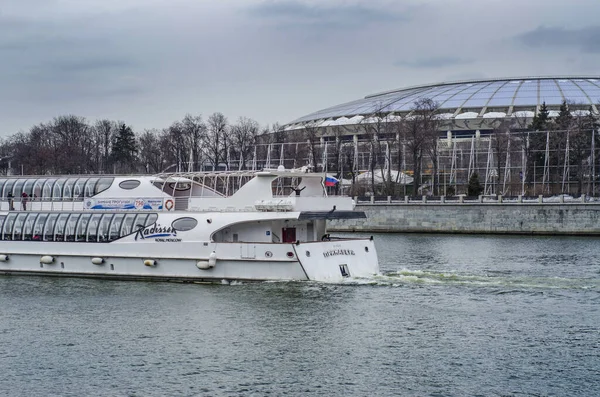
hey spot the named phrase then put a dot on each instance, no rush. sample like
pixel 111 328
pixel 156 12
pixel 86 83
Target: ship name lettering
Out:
pixel 335 252
pixel 149 231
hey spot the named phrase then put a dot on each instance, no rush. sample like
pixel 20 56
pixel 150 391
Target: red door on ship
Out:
pixel 288 234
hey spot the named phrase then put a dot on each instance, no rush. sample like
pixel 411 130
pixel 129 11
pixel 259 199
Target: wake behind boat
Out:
pixel 267 225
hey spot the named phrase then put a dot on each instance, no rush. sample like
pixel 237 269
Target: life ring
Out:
pixel 169 205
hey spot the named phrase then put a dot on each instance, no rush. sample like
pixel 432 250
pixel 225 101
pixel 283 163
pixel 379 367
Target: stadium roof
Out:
pixel 491 98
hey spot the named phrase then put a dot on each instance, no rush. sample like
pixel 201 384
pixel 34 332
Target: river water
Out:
pixel 450 316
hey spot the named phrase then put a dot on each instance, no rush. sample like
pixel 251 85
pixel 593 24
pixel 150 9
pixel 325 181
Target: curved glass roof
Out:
pixel 499 94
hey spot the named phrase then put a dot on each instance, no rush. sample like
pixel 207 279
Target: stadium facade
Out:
pixel 483 127
pixel 466 106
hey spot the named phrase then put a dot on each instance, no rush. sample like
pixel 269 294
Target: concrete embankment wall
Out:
pixel 500 218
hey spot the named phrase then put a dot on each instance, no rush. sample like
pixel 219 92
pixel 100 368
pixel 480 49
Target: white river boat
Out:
pixel 201 226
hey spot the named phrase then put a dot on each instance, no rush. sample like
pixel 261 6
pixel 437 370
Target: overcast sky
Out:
pixel 149 62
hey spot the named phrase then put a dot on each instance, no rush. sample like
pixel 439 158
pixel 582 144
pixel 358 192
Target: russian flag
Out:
pixel 330 181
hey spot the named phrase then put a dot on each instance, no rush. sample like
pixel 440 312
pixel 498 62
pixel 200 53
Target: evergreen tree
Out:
pixel 537 141
pixel 124 149
pixel 564 119
pixel 562 125
pixel 474 188
pixel 540 120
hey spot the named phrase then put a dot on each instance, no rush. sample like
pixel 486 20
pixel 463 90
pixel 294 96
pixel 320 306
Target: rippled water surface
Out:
pixel 449 316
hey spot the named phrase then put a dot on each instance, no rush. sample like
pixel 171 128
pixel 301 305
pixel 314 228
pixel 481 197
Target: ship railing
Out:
pixel 274 203
pixel 92 204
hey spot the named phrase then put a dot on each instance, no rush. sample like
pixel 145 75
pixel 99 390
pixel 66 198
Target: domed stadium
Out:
pixel 478 127
pixel 467 105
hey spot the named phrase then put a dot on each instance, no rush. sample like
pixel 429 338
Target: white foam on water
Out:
pixel 406 277
pixel 504 282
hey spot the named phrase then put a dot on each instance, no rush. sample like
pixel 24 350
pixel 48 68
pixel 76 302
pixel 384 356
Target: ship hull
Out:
pixel 331 261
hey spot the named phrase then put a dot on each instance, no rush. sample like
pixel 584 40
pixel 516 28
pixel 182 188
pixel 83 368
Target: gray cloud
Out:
pixel 93 64
pixel 586 39
pixel 297 14
pixel 434 62
pixel 63 61
pixel 149 62
pixel 34 43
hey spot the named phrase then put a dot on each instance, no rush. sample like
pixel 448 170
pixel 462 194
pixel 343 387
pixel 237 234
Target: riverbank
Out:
pixel 476 217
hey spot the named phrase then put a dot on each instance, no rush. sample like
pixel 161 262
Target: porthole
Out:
pixel 129 184
pixel 184 224
pixel 307 253
pixel 269 254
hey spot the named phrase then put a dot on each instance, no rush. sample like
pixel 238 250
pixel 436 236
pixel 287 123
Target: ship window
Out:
pixel 151 219
pixel 127 226
pixel 2 183
pixel 49 227
pixel 90 186
pixel 184 224
pixel 140 222
pixel 115 225
pixel 92 232
pixel 18 188
pixel 38 227
pixel 159 184
pixel 129 184
pixel 78 189
pixel 104 225
pixel 8 188
pixel 8 226
pixel 28 186
pixel 82 227
pixel 70 234
pixel 2 218
pixel 57 190
pixel 18 227
pixel 59 227
pixel 47 189
pixel 68 189
pixel 103 184
pixel 36 193
pixel 28 227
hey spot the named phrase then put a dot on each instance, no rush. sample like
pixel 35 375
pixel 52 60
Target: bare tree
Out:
pixel 580 145
pixel 151 156
pixel 500 144
pixel 312 138
pixel 243 137
pixel 71 144
pixel 35 150
pixel 381 130
pixel 416 128
pixel 429 113
pixel 193 130
pixel 216 139
pixel 104 131
pixel 336 162
pixel 177 143
pixel 370 128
